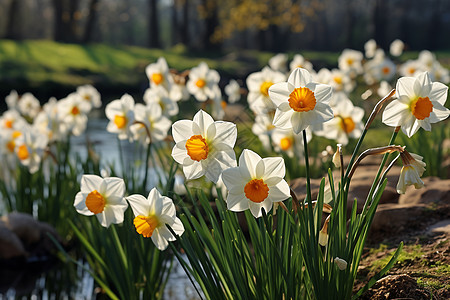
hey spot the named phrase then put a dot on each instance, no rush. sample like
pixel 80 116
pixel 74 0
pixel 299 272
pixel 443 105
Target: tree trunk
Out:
pixel 380 20
pixel 184 29
pixel 11 32
pixel 58 31
pixel 174 23
pixel 90 23
pixel 153 30
pixel 211 23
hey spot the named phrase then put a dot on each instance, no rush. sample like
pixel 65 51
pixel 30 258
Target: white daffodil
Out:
pixel 258 85
pixel 347 121
pixel 150 120
pixel 11 119
pixel 29 148
pixel 369 47
pixel 384 89
pixel 233 91
pixel 341 81
pixel 50 123
pixel 12 100
pixel 379 70
pixel 440 73
pixel 396 47
pixel 8 139
pixel 292 144
pixel 103 197
pixel 411 68
pixel 419 103
pixel 300 62
pixel 158 74
pixel 350 61
pixel 427 59
pixel 202 81
pixel 413 168
pixel 152 214
pixel 263 128
pixel 204 147
pixel 73 112
pixel 278 62
pixel 29 106
pixel 120 113
pixel 256 184
pixel 160 96
pixel 90 94
pixel 300 102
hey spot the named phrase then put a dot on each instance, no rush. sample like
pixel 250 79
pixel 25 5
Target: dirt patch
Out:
pixel 421 272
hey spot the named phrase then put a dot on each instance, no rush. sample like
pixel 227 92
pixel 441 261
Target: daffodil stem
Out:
pixel 380 169
pixel 308 181
pixel 147 157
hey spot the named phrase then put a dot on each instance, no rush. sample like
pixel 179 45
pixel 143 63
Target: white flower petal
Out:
pixel 438 93
pixel 279 93
pixel 282 119
pixel 299 78
pixel 279 192
pixel 114 187
pixel 193 171
pixel 439 113
pixel 182 130
pixel 248 162
pixel 274 167
pixel 159 241
pixel 139 204
pixel 80 205
pixel 405 87
pixel 237 202
pixel 90 183
pixel 204 120
pixel 226 133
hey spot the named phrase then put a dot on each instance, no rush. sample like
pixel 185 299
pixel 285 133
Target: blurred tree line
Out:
pixel 275 25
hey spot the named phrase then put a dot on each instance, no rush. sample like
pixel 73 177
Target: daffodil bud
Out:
pixel 341 264
pixel 337 156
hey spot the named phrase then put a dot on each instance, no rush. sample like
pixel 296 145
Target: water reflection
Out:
pixel 57 280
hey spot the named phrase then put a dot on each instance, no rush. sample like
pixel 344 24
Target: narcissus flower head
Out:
pixel 103 197
pixel 300 102
pixel 413 168
pixel 419 103
pixel 201 82
pixel 204 146
pixel 256 184
pixel 121 116
pixel 152 214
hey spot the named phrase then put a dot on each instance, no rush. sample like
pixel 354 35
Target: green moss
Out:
pixel 429 283
pixel 408 254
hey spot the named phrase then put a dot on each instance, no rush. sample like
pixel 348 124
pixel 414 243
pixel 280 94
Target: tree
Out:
pixel 11 31
pixel 89 28
pixel 153 30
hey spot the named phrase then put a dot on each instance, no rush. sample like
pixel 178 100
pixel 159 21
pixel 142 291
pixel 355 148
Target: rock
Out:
pixel 21 236
pixel 10 244
pixel 436 191
pixel 440 227
pixel 23 226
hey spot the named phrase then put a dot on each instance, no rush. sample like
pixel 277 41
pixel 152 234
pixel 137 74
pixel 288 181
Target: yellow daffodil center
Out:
pixel 347 124
pixel 256 190
pixel 302 99
pixel 11 145
pixel 75 110
pixel 197 148
pixel 386 70
pixel 264 88
pixel 95 202
pixel 8 123
pixel 286 143
pixel 120 121
pixel 412 70
pixel 16 134
pixel 421 108
pixel 223 104
pixel 338 79
pixel 157 78
pixel 200 83
pixel 23 153
pixel 146 225
pixel 87 97
pixel 350 61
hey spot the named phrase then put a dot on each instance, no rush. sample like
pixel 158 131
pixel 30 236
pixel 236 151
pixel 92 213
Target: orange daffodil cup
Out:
pixel 102 197
pixel 256 183
pixel 204 146
pixel 300 102
pixel 419 103
pixel 152 214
